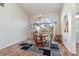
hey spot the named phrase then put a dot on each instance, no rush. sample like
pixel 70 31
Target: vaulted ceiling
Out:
pixel 41 8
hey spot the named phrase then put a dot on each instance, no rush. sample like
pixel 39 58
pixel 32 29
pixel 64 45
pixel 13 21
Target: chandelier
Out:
pixel 38 17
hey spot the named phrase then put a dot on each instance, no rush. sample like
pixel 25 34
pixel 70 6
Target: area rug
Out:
pixel 30 47
pixel 35 49
pixel 54 46
pixel 25 46
pixel 53 51
pixel 46 52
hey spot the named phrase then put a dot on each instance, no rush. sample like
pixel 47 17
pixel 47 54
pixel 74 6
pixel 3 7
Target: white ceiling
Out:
pixel 41 8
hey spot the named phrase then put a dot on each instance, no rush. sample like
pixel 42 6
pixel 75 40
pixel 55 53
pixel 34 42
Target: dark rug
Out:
pixel 55 50
pixel 46 52
pixel 26 46
pixel 54 46
pixel 29 47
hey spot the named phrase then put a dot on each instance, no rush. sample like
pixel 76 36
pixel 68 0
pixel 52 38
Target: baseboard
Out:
pixel 12 44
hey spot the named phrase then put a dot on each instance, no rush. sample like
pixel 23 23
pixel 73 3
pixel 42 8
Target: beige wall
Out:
pixel 13 25
pixel 77 24
pixel 68 39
